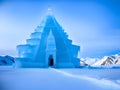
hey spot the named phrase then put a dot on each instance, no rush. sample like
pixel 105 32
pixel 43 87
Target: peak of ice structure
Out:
pixel 50 11
pixel 48 46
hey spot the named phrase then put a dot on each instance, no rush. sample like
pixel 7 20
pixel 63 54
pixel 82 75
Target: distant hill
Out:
pixel 108 60
pixel 105 61
pixel 6 60
pixel 88 61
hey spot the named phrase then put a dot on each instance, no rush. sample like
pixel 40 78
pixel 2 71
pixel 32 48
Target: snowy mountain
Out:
pixel 88 61
pixel 83 63
pixel 108 60
pixel 6 60
pixel 118 60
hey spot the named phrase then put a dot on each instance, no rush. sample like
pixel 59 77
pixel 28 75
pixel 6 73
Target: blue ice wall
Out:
pixel 48 42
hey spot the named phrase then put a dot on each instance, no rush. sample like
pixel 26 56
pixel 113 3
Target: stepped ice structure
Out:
pixel 48 46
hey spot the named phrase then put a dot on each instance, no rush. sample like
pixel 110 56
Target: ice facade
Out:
pixel 48 46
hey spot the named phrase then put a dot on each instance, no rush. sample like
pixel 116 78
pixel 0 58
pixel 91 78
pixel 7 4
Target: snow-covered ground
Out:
pixel 59 79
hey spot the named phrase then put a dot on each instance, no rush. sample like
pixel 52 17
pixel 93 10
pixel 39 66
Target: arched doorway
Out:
pixel 51 60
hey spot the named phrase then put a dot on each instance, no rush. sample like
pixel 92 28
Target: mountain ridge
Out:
pixel 6 60
pixel 105 61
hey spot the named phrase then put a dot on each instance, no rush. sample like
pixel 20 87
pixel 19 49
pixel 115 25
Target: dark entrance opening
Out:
pixel 51 60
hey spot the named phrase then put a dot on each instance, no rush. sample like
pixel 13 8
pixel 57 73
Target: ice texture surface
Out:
pixel 48 45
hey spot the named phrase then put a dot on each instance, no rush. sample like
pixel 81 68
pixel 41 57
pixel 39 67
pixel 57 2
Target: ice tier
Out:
pixel 48 46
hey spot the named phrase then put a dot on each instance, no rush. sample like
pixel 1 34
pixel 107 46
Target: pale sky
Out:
pixel 92 24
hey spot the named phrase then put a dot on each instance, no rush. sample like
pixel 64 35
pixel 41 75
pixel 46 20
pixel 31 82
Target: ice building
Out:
pixel 48 46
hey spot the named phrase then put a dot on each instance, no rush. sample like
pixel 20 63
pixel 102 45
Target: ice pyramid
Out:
pixel 48 46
